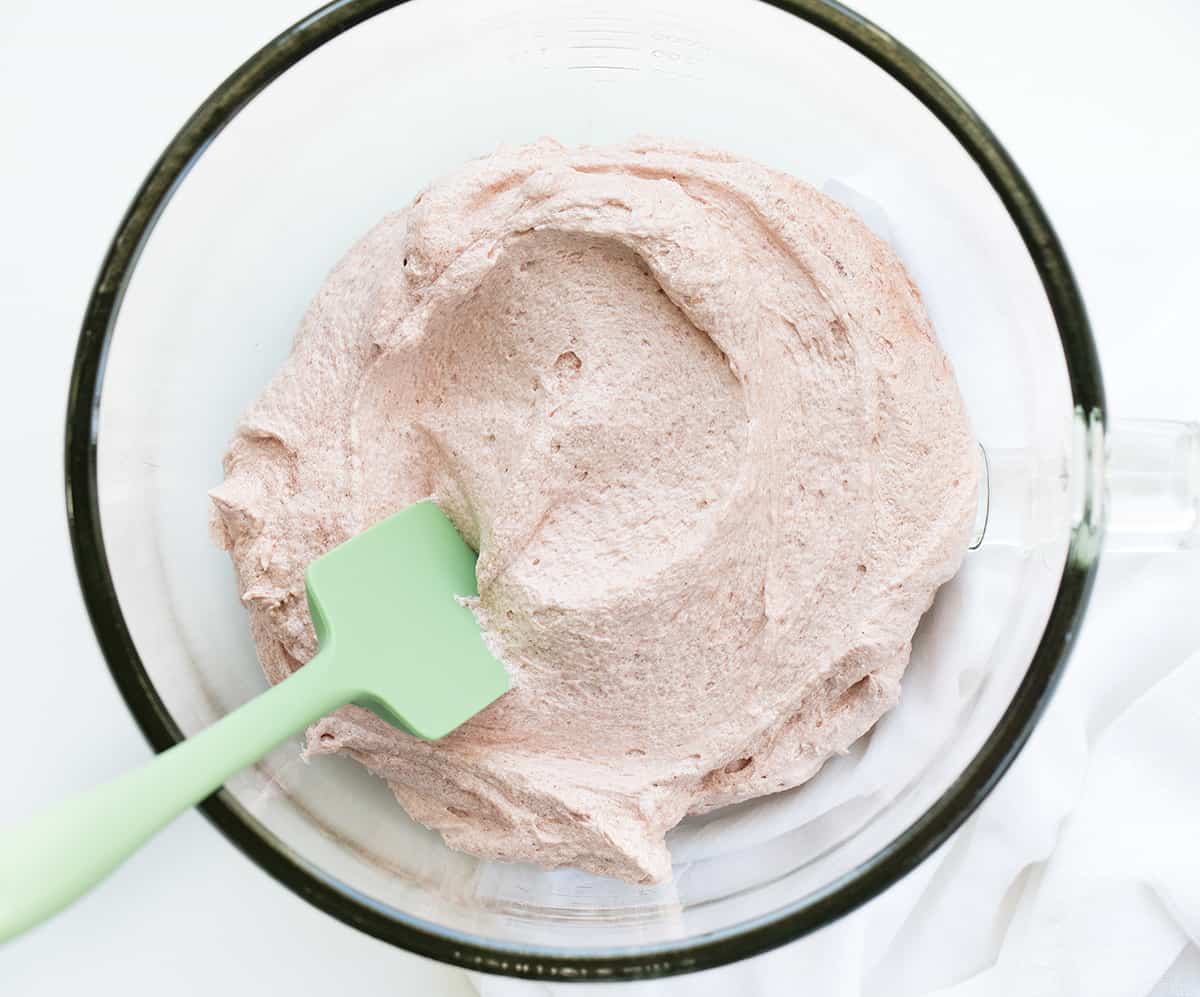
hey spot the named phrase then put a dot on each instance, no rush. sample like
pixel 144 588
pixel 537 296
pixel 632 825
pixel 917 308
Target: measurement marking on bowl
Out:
pixel 605 31
pixel 626 69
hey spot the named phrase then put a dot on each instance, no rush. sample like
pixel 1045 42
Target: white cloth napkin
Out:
pixel 1078 876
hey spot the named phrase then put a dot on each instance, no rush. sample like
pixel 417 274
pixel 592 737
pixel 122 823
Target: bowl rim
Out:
pixel 745 939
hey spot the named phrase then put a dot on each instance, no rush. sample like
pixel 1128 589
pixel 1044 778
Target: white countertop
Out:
pixel 1095 100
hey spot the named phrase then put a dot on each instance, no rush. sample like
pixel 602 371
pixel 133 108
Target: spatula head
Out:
pixel 385 607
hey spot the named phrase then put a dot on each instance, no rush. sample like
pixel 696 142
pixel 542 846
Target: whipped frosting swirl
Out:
pixel 693 416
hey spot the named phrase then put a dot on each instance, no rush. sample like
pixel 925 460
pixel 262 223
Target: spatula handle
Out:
pixel 59 854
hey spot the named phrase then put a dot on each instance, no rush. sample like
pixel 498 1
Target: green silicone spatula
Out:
pixel 393 638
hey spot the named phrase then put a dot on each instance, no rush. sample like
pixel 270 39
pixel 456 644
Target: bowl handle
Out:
pixel 1152 485
pixel 1135 482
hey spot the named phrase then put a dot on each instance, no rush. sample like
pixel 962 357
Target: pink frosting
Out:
pixel 692 414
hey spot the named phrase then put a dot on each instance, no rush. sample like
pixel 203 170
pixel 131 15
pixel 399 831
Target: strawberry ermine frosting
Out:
pixel 693 416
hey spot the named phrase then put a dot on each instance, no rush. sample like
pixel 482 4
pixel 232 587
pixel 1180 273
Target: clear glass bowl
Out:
pixel 346 116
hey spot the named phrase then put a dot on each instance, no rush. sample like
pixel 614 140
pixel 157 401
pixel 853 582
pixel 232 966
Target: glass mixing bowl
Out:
pixel 344 117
